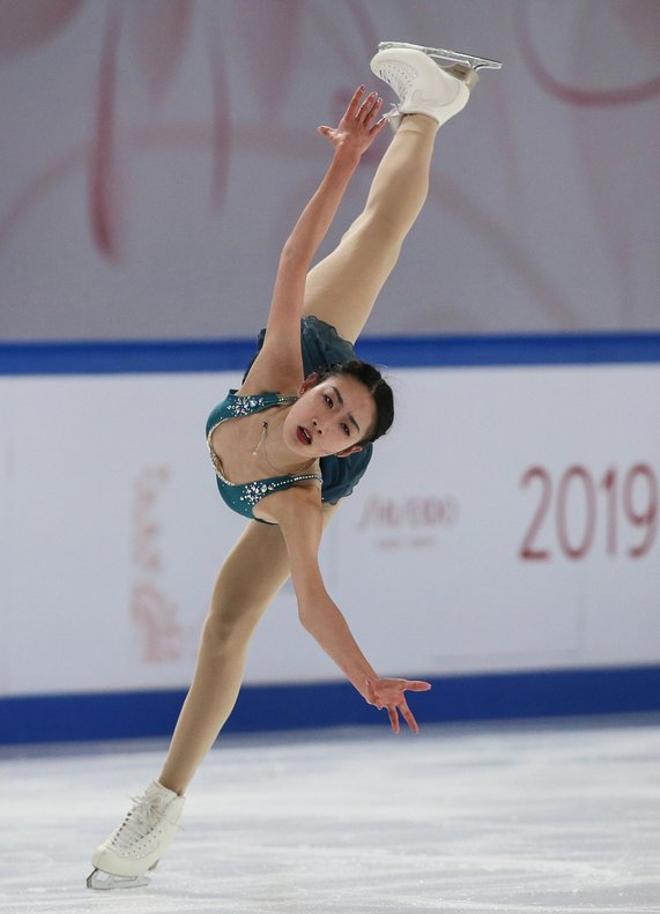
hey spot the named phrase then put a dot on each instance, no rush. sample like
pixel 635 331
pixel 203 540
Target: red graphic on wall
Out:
pixel 139 50
pixel 155 615
pixel 639 19
pixel 606 503
pixel 159 31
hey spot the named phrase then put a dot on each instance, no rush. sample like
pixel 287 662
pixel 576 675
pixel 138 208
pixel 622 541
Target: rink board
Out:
pixel 505 535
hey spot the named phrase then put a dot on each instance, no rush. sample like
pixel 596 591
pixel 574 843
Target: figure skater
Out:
pixel 308 411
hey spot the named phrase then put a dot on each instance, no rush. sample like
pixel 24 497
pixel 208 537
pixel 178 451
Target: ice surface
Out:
pixel 519 819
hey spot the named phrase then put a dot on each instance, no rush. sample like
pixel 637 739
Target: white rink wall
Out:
pixel 507 523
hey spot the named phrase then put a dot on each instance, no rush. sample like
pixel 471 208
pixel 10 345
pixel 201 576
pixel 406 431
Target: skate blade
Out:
pixel 103 881
pixel 466 60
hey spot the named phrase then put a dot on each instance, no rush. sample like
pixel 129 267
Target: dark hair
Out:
pixel 377 386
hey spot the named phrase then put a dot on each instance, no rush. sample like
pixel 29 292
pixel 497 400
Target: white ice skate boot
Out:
pixel 424 86
pixel 140 841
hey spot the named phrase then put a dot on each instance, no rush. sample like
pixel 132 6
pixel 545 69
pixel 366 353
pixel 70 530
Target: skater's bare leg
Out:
pixel 343 287
pixel 250 577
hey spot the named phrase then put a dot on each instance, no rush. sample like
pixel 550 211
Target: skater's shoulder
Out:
pixel 270 372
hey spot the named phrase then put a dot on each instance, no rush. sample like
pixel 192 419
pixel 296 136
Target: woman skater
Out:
pixel 297 435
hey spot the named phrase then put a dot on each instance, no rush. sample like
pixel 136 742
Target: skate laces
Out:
pixel 143 817
pixel 398 75
pixel 392 113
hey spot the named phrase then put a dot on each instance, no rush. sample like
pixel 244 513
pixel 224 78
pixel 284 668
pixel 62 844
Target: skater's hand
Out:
pixel 358 128
pixel 389 694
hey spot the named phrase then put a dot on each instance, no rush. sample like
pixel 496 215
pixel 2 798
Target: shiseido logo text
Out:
pixel 407 522
pixel 409 512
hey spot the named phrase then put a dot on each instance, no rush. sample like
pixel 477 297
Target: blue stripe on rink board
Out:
pixel 116 357
pixel 491 696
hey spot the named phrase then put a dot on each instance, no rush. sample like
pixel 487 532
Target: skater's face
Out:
pixel 335 415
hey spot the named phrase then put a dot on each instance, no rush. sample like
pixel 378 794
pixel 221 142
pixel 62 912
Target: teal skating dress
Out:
pixel 242 497
pixel 322 347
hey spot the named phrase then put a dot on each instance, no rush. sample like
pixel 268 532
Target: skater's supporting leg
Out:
pixel 251 576
pixel 249 579
pixel 343 287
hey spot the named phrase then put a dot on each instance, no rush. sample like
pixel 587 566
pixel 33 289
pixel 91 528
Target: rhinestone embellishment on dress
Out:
pixel 244 406
pixel 253 492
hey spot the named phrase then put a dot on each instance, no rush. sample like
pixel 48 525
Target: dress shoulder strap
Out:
pixel 245 404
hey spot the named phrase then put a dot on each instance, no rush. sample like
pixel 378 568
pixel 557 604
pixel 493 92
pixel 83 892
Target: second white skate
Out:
pixel 135 847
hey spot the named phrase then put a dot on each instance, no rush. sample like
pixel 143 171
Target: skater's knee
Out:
pixel 230 626
pixel 383 225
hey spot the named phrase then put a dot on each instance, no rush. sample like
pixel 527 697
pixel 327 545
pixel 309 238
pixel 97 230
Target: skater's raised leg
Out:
pixel 343 287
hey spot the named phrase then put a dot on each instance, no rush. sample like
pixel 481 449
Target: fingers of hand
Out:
pixel 365 105
pixel 377 126
pixel 409 717
pixel 394 719
pixel 416 685
pixel 374 112
pixel 354 103
pixel 369 107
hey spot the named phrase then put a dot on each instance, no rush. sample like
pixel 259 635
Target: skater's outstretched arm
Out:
pixel 300 519
pixel 355 133
pixel 350 139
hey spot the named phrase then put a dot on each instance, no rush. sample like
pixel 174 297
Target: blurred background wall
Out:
pixel 155 156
